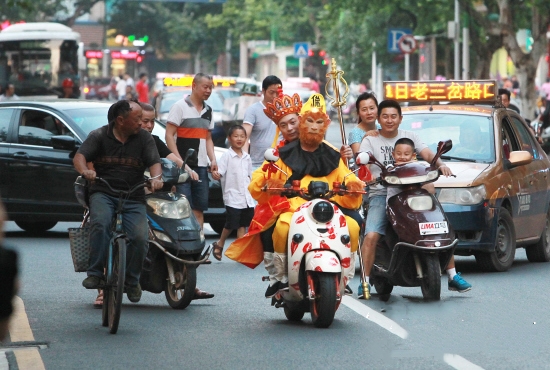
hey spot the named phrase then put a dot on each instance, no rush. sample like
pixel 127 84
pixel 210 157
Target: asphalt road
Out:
pixel 502 323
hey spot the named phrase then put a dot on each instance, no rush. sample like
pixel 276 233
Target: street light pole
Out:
pixel 457 41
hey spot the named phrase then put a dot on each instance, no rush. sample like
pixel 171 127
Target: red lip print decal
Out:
pixel 324 245
pixel 295 286
pixel 318 268
pixel 300 219
pixel 345 262
pixel 332 236
pixel 318 255
pixel 348 246
pixel 307 247
pixel 342 221
pixel 296 265
pixel 293 247
pixel 333 261
pixel 335 207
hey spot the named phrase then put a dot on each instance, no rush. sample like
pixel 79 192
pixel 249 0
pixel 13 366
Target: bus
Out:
pixel 36 58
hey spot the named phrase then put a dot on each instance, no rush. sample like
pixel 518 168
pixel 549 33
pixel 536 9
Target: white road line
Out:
pixel 375 317
pixel 4 365
pixel 459 362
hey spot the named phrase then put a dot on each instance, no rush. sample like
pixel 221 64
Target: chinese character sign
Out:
pixel 434 91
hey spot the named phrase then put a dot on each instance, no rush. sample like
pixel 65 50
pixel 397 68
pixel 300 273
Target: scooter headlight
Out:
pixel 322 212
pixel 170 209
pixel 420 203
pixel 394 180
pixel 162 236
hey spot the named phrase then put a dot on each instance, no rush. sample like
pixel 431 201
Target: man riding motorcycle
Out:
pixel 306 159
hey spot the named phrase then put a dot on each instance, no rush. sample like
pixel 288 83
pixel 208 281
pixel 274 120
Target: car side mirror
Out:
pixel 63 142
pixel 520 158
pixel 270 155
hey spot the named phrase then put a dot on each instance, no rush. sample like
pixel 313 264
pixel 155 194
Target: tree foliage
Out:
pixel 45 10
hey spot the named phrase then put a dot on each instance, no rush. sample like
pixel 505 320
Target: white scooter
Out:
pixel 319 251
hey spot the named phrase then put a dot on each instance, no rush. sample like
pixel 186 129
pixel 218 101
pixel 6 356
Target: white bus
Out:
pixel 37 57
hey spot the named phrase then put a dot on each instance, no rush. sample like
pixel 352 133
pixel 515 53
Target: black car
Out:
pixel 38 140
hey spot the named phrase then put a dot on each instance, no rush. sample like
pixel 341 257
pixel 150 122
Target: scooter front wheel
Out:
pixel 180 295
pixel 323 306
pixel 431 280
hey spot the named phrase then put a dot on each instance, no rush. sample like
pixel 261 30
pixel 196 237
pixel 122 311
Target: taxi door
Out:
pixel 41 177
pixel 518 188
pixel 534 202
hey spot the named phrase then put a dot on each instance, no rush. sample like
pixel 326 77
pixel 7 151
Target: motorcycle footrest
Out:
pixel 265 278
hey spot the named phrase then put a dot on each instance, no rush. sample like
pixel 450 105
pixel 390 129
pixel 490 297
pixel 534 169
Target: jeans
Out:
pixel 196 192
pixel 134 223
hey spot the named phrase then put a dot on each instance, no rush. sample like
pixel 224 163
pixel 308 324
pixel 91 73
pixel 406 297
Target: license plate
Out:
pixel 429 228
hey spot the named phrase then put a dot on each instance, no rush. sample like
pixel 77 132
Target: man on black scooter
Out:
pixel 148 123
pixel 382 147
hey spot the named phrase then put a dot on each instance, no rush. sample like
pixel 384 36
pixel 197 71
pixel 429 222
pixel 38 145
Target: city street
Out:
pixel 501 323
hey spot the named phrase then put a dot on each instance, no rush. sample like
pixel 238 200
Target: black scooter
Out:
pixel 176 244
pixel 419 241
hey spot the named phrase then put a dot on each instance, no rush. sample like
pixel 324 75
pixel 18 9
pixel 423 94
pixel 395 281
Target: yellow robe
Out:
pixel 280 233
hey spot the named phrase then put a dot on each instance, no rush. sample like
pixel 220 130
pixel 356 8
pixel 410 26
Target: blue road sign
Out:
pixel 301 49
pixel 394 34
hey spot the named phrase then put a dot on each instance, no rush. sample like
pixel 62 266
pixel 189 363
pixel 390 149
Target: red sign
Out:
pixel 98 54
pixel 121 55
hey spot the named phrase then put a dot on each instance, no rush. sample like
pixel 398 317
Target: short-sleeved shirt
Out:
pixel 161 147
pixel 143 91
pixel 263 132
pixel 382 149
pixel 193 127
pixel 121 164
pixel 236 173
pixel 357 133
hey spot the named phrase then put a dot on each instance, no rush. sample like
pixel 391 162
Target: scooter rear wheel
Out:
pixel 431 281
pixel 323 307
pixel 179 296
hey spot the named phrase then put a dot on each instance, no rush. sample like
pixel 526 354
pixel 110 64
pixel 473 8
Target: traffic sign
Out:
pixel 394 34
pixel 301 49
pixel 407 44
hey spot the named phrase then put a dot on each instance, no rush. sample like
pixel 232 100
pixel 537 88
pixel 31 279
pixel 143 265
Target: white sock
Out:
pixel 367 280
pixel 451 273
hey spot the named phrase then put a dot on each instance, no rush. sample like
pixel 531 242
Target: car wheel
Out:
pixel 36 227
pixel 502 257
pixel 540 251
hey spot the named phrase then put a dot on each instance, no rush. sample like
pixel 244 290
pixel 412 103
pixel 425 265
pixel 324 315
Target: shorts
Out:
pixel 196 192
pixel 376 217
pixel 238 217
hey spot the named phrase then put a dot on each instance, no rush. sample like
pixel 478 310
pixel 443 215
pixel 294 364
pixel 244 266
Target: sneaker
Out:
pixel 348 291
pixel 133 293
pixel 360 294
pixel 92 282
pixel 458 284
pixel 283 286
pixel 272 290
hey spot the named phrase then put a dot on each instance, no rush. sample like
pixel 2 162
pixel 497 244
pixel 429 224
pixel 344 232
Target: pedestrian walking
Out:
pixel 142 88
pixel 259 127
pixel 234 173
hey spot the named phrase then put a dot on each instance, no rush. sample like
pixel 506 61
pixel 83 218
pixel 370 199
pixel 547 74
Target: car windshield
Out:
pixel 168 99
pixel 472 135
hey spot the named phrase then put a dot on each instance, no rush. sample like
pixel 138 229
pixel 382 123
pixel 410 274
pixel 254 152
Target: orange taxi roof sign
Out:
pixel 187 81
pixel 467 91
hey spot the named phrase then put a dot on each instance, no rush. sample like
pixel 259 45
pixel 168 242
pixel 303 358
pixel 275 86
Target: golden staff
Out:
pixel 335 77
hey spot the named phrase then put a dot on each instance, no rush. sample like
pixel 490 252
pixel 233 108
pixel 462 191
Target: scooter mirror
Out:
pixel 188 154
pixel 363 158
pixel 444 146
pixel 270 155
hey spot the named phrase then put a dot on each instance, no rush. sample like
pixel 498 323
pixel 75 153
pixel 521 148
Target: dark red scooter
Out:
pixel 419 241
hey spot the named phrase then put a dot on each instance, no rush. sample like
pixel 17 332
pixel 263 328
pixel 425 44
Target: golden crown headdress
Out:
pixel 282 106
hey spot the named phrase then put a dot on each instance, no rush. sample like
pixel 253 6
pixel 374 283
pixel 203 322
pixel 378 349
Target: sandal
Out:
pixel 217 251
pixel 98 303
pixel 201 294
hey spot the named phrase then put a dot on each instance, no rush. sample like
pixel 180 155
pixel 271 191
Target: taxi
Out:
pixel 499 199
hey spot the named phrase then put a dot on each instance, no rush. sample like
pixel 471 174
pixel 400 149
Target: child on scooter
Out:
pixel 234 173
pixel 404 152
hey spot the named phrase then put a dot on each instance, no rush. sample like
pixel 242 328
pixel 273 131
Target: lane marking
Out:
pixel 20 331
pixel 459 362
pixel 375 317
